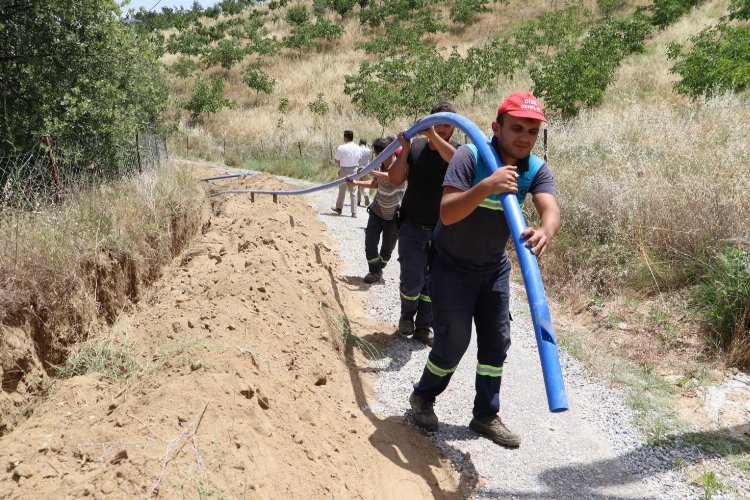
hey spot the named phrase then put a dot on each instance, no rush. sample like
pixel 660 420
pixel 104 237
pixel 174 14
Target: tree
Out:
pixel 578 76
pixel 255 78
pixel 313 35
pixel 77 72
pixel 665 12
pixel 205 98
pixel 718 62
pixel 463 11
pixel 739 9
pixel 297 14
pixel 183 68
pixel 226 53
pixel 406 85
pixel 483 65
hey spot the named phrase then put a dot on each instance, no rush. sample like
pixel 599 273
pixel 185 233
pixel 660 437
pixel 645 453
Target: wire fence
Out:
pixel 47 174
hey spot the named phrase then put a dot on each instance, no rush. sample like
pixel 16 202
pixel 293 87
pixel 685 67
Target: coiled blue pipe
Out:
pixel 557 400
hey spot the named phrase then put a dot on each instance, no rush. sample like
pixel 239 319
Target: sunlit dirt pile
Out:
pixel 245 386
pixel 62 286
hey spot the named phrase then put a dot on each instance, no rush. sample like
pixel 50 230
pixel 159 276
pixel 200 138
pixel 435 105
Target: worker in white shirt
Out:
pixel 347 159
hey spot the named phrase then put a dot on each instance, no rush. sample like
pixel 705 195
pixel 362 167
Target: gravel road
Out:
pixel 591 451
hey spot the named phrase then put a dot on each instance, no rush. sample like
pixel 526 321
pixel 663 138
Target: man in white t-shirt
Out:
pixel 363 161
pixel 347 159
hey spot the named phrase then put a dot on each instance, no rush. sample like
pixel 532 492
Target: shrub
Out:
pixel 297 14
pixel 723 295
pixel 719 61
pixel 255 78
pixel 665 12
pixel 205 98
pixel 319 106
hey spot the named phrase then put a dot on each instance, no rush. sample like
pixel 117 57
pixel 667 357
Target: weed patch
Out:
pixel 724 297
pixel 104 357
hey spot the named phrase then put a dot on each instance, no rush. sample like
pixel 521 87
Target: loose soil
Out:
pixel 249 383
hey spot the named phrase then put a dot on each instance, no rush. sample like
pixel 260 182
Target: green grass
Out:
pixel 346 336
pixel 114 362
pixel 298 167
pixel 711 484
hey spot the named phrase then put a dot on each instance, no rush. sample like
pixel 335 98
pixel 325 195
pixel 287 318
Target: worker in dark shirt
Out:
pixel 469 280
pixel 422 163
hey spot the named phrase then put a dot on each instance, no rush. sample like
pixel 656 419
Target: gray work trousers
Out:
pixel 343 188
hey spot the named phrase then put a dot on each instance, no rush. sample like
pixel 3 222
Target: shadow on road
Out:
pixel 592 480
pixel 391 437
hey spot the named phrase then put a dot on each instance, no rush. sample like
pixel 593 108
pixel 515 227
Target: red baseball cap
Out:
pixel 522 105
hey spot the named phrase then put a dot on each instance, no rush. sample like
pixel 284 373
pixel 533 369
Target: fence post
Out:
pixel 53 163
pixel 545 144
pixel 138 153
pixel 187 145
pixel 299 146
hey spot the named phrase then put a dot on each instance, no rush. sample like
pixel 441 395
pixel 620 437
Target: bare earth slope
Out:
pixel 245 387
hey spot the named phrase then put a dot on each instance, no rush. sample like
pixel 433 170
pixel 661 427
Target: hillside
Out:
pixel 623 252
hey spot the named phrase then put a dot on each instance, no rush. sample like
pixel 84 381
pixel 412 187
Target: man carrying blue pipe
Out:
pixel 422 163
pixel 470 270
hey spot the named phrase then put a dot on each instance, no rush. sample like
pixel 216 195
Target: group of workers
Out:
pixel 442 204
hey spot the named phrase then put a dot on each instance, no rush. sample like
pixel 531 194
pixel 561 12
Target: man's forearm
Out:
pixel 443 147
pixel 456 205
pixel 550 222
pixel 397 172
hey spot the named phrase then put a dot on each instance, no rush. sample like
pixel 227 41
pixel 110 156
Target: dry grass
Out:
pixel 650 181
pixel 64 268
pixel 254 124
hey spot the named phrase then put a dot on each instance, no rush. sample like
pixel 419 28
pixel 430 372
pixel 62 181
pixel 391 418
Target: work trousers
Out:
pixel 457 298
pixel 376 226
pixel 413 248
pixel 343 188
pixel 362 191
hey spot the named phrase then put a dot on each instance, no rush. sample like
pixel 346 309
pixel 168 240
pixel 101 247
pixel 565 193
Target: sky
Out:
pixel 148 4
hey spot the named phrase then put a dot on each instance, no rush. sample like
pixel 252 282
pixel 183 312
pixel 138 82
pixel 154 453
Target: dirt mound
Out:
pixel 248 383
pixel 44 313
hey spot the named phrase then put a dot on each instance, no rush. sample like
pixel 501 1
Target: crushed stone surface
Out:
pixel 594 450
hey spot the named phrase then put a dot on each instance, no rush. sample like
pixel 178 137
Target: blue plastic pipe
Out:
pixel 557 400
pixel 229 176
pixel 384 155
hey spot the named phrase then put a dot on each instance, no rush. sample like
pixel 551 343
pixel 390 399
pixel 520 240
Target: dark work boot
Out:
pixel 406 326
pixel 422 413
pixel 424 335
pixel 497 431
